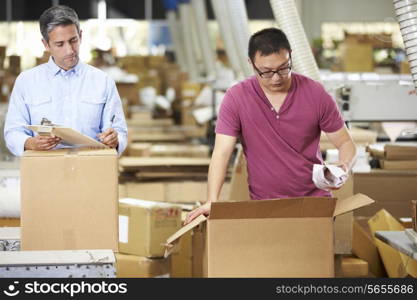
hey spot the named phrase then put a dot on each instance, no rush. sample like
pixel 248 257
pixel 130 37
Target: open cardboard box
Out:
pixel 291 237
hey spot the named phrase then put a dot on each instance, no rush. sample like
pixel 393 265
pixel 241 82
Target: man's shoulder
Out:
pixel 304 81
pixel 34 72
pixel 242 86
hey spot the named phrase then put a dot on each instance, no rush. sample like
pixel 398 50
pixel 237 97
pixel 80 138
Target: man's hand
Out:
pixel 202 210
pixel 109 138
pixel 40 143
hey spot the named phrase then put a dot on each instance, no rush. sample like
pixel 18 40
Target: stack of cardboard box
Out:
pixel 143 229
pixel 392 189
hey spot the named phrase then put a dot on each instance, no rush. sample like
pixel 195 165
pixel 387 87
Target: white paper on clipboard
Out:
pixel 69 136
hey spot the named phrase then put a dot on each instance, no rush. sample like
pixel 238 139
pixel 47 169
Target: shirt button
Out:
pixel 272 108
pixel 277 117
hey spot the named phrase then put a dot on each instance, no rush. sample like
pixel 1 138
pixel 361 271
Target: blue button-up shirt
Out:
pixel 83 98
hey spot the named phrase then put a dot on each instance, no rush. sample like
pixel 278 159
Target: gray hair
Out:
pixel 58 15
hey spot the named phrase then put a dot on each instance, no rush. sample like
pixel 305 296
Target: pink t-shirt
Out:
pixel 280 148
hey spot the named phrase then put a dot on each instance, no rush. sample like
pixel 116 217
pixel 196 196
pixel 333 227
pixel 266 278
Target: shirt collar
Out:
pixel 55 69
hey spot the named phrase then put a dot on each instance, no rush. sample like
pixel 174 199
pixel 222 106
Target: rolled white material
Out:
pixel 406 12
pixel 186 23
pixel 204 37
pixel 286 15
pixel 222 16
pixel 239 25
pixel 176 39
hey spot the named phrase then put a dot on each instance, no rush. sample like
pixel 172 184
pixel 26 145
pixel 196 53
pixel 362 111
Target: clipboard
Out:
pixel 68 136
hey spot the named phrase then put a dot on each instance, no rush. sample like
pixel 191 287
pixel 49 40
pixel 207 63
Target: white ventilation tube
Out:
pixel 222 16
pixel 196 42
pixel 406 12
pixel 186 26
pixel 239 25
pixel 286 15
pixel 204 37
pixel 176 39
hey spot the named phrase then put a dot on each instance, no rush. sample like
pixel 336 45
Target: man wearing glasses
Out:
pixel 278 115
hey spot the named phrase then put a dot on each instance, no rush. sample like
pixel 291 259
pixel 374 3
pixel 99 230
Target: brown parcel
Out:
pixel 145 225
pixel 69 199
pixel 272 238
pixel 132 266
pixel 343 224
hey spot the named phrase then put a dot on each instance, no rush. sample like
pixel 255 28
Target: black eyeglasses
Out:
pixel 269 74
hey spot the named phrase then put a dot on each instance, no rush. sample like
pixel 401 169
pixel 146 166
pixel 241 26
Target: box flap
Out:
pixel 351 203
pixel 173 239
pixel 275 208
pixel 71 151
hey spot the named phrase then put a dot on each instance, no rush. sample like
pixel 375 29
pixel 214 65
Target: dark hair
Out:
pixel 57 15
pixel 268 41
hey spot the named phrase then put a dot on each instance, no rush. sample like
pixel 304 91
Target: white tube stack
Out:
pixel 406 12
pixel 288 19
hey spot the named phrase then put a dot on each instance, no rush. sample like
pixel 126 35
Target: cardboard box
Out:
pixel 356 57
pixel 154 191
pixel 398 164
pixel 69 199
pixel 132 266
pixel 392 190
pixel 186 191
pixel 401 151
pixel 272 238
pixel 173 150
pixel 361 137
pixel 139 149
pixel 397 264
pixel 414 214
pixel 394 151
pixel 122 191
pixel 145 225
pixel 129 91
pixel 343 224
pixel 350 267
pixel 363 246
pixel 177 191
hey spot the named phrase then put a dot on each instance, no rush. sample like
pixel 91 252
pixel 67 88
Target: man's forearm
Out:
pixel 216 175
pixel 347 154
